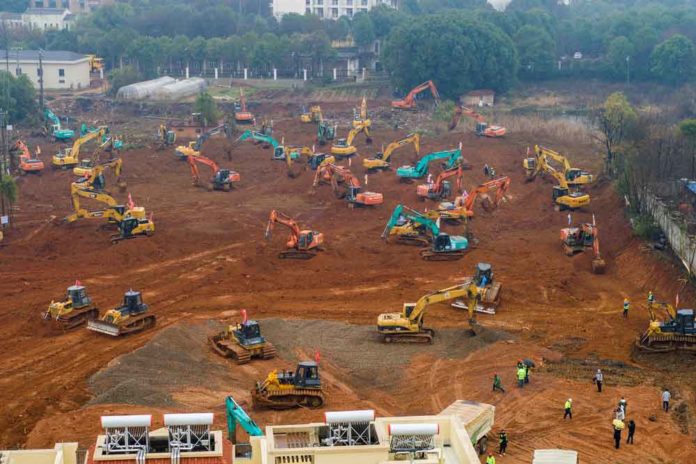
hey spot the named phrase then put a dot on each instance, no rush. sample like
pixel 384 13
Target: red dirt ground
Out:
pixel 208 256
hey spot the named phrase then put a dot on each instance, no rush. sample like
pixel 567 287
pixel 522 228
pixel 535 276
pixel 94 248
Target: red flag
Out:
pixel 244 315
pixel 77 283
pixel 676 301
pixel 131 203
pixel 317 356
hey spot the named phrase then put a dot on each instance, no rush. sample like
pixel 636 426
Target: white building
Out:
pixel 331 9
pixel 48 18
pixel 61 70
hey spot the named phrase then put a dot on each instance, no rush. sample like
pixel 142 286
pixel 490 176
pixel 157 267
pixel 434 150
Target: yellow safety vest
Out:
pixel 568 404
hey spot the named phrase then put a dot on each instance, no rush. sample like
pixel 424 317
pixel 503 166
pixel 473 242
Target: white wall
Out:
pixel 76 74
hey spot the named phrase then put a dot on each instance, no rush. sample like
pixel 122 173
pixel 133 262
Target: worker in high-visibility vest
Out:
pixel 568 409
pixel 626 307
pixel 521 374
pixel 651 299
pixel 490 459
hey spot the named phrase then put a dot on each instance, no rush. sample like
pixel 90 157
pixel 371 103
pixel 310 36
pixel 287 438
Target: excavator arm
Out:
pixel 409 101
pixel 410 138
pixel 402 212
pixel 416 312
pixel 287 221
pixel 237 416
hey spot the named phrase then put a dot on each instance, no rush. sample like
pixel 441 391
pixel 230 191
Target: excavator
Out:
pixel 411 226
pixel 131 220
pixel 28 164
pixel 301 244
pixel 236 415
pixel 536 163
pixel 85 166
pixel 343 148
pixel 54 128
pixel 132 316
pixel 441 188
pixel 313 115
pixel 463 206
pixel 222 178
pixel 87 170
pixel 381 160
pixel 165 137
pixel 70 157
pixel 360 117
pixel 351 193
pixel 409 102
pixel 420 170
pixel 676 333
pixel 576 239
pixel 279 149
pixel 183 152
pixel 287 389
pixel 489 290
pixel 242 342
pixel 562 196
pixel 407 326
pixel 241 114
pixel 482 128
pixel 74 310
pixel 325 133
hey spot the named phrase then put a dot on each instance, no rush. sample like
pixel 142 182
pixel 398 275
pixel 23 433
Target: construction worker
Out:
pixel 666 396
pixel 568 409
pixel 619 414
pixel 622 404
pixel 526 373
pixel 490 459
pixel 521 374
pixel 631 431
pixel 486 170
pixel 497 383
pixel 618 427
pixel 651 299
pixel 626 307
pixel 503 441
pixel 599 378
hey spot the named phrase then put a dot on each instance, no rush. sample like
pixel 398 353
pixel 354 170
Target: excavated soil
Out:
pixel 208 259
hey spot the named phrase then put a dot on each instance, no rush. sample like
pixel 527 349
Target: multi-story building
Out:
pixel 75 6
pixel 331 9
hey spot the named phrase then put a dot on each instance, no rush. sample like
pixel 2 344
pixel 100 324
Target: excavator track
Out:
pixel 77 317
pixel 429 255
pixel 296 254
pixel 287 399
pixel 425 336
pixel 664 343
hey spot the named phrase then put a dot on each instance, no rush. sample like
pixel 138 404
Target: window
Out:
pixel 363 2
pixel 334 12
pixel 349 11
pixel 61 72
pixel 349 2
pixel 52 4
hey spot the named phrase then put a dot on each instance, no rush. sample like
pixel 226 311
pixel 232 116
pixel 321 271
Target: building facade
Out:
pixel 331 9
pixel 47 18
pixel 61 70
pixel 75 6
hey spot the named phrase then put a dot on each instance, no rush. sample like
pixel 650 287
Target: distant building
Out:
pixel 331 9
pixel 61 69
pixel 48 18
pixel 76 6
pixel 481 97
pixel 11 20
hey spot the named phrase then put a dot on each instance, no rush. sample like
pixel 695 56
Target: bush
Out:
pixel 122 77
pixel 444 111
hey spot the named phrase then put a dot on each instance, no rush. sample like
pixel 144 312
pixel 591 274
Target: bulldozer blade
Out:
pixel 103 327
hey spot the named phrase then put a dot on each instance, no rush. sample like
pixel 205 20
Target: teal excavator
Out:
pixel 410 226
pixel 237 416
pixel 267 140
pixel 54 128
pixel 420 170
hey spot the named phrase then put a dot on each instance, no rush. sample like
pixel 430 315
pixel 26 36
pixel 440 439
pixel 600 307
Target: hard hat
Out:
pixel 570 399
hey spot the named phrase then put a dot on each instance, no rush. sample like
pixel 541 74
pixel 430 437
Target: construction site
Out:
pixel 184 289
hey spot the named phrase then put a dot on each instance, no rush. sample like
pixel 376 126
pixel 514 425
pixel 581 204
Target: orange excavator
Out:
pixel 576 239
pixel 241 114
pixel 409 102
pixel 301 244
pixel 463 207
pixel 441 188
pixel 27 163
pixel 339 175
pixel 482 128
pixel 222 178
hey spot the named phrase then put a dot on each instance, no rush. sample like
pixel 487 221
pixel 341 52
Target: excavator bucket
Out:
pixel 598 266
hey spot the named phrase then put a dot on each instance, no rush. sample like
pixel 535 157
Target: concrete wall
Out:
pixel 76 74
pixel 674 227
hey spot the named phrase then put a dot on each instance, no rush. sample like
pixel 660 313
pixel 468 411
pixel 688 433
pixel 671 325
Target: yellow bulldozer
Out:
pixel 73 311
pixel 287 389
pixel 242 342
pixel 132 316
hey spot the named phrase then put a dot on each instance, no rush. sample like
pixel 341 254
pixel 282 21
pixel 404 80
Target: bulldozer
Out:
pixel 242 342
pixel 76 309
pixel 676 333
pixel 132 316
pixel 488 290
pixel 287 389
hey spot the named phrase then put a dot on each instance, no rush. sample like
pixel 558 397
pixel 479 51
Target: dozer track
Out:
pixel 425 336
pixel 131 325
pixel 664 343
pixel 230 349
pixel 77 317
pixel 286 399
pixel 296 254
pixel 430 255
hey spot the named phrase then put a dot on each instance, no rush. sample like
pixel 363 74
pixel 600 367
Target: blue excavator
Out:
pixel 410 226
pixel 453 159
pixel 236 416
pixel 54 128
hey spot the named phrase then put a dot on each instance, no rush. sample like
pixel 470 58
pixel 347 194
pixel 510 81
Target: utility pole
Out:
pixel 628 70
pixel 41 82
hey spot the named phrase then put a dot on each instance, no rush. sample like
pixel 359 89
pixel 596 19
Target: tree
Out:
pixel 20 100
pixel 363 31
pixel 615 119
pixel 385 18
pixel 458 53
pixel 619 54
pixel 536 50
pixel 205 105
pixel 121 77
pixel 674 60
pixel 14 6
pixel 687 129
pixel 8 193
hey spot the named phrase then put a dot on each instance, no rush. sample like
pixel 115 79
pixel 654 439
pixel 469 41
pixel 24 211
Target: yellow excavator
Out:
pixel 360 116
pixel 573 176
pixel 131 220
pixel 407 326
pixel 86 165
pixel 381 160
pixel 343 148
pixel 70 157
pixel 313 115
pixel 562 195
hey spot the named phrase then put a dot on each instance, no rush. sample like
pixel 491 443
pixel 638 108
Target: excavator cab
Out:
pixel 481 128
pixel 132 304
pixel 578 176
pixel 305 240
pixel 248 333
pixel 484 274
pixel 307 375
pixel 442 243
